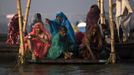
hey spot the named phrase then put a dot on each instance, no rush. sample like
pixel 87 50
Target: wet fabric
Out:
pixel 55 24
pixel 39 47
pixel 123 17
pixel 47 25
pixel 92 16
pixel 79 37
pixel 92 28
pixel 13 31
pixel 59 45
pixel 67 24
pixel 92 39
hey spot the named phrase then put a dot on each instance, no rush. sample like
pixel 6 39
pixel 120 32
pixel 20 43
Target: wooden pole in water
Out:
pixel 26 15
pixel 112 57
pixel 98 3
pixel 102 16
pixel 21 49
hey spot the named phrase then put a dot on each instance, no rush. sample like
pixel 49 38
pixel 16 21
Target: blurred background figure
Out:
pixel 13 31
pixel 123 17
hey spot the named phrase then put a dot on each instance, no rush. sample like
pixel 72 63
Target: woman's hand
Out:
pixel 33 36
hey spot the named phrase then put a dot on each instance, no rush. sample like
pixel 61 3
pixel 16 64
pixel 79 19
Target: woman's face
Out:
pixel 62 32
pixel 37 29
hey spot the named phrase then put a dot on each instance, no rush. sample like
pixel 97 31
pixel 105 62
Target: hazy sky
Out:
pixel 74 9
pixel 48 8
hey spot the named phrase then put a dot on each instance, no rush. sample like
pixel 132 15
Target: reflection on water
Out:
pixel 51 69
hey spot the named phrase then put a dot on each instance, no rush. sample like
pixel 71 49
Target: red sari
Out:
pixel 13 31
pixel 92 37
pixel 92 16
pixel 39 47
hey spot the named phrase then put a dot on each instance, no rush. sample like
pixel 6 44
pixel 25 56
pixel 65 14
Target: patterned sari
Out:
pixel 39 47
pixel 92 37
pixel 13 31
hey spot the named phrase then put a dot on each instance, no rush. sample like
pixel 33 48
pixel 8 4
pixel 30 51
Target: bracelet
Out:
pixel 29 36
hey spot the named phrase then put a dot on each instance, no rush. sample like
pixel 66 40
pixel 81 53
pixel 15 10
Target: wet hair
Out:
pixel 38 15
pixel 95 8
pixel 61 28
pixel 47 20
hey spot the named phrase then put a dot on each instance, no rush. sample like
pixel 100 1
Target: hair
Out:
pixel 38 15
pixel 96 8
pixel 47 20
pixel 94 5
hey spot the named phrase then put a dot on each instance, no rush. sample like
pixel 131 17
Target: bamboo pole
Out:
pixel 102 16
pixel 26 15
pixel 21 49
pixel 98 3
pixel 112 57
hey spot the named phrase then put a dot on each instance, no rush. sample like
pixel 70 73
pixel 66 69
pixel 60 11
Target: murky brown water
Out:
pixel 51 69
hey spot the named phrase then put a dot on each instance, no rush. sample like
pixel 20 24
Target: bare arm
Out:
pixel 44 40
pixel 41 39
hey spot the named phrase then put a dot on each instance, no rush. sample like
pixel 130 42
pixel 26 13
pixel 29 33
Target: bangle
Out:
pixel 29 36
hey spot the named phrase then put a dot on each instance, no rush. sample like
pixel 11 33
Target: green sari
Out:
pixel 57 47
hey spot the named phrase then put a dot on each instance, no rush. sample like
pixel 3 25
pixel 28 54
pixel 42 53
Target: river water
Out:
pixel 67 69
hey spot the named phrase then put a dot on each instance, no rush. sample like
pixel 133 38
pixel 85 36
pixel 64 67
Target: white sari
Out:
pixel 123 17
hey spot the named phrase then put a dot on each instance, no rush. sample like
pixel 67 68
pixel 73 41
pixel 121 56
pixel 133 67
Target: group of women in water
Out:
pixel 53 39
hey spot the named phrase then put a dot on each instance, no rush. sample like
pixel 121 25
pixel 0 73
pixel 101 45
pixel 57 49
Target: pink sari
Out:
pixel 39 47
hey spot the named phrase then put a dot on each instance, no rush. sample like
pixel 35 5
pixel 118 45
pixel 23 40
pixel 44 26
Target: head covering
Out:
pixel 38 24
pixel 67 24
pixel 39 47
pixel 92 16
pixel 37 18
pixel 62 15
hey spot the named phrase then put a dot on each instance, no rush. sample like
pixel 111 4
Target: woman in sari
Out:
pixel 13 31
pixel 65 22
pixel 92 40
pixel 62 20
pixel 60 44
pixel 53 25
pixel 38 41
pixel 92 16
